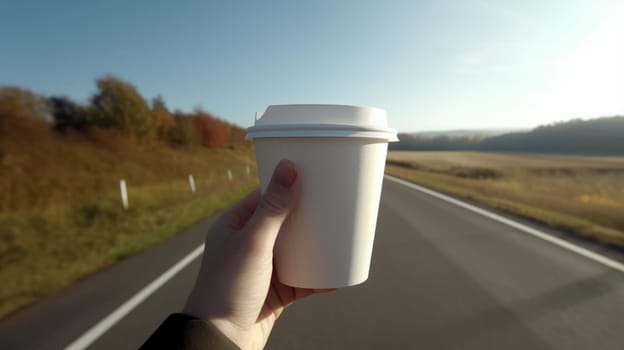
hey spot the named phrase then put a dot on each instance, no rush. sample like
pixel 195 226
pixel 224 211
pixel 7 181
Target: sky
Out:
pixel 432 65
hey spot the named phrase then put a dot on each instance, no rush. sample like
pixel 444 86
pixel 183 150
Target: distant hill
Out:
pixel 600 136
pixel 470 133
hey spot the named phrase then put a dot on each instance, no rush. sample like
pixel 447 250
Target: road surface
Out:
pixel 442 277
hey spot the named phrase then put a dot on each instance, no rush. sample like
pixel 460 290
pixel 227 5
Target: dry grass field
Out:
pixel 580 194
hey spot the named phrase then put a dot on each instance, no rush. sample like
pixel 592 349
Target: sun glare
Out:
pixel 590 81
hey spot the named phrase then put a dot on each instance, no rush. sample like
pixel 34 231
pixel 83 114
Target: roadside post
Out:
pixel 191 181
pixel 124 193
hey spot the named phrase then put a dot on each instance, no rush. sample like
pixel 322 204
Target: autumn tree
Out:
pixel 119 105
pixel 164 122
pixel 68 114
pixel 186 131
pixel 212 131
pixel 21 103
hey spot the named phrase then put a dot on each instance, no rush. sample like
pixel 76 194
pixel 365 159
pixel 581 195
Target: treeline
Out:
pixel 601 136
pixel 409 142
pixel 118 105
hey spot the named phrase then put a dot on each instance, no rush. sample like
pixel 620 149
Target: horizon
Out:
pixel 463 65
pixel 516 129
pixel 468 130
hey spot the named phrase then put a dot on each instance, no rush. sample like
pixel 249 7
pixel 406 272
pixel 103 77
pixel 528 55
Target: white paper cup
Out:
pixel 340 154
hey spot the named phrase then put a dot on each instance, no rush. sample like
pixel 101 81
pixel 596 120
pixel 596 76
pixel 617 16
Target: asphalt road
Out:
pixel 442 277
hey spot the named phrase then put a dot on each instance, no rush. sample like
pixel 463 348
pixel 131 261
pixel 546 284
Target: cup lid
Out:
pixel 317 120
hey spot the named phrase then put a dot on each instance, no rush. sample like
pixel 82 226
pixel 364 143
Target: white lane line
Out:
pixel 518 226
pixel 109 321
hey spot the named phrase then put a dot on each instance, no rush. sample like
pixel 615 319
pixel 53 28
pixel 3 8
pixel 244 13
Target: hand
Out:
pixel 237 289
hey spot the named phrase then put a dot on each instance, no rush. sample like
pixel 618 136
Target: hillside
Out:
pixel 61 217
pixel 600 136
pixel 465 133
pixel 595 136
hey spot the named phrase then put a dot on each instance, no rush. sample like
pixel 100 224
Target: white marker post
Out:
pixel 247 170
pixel 229 175
pixel 191 182
pixel 124 193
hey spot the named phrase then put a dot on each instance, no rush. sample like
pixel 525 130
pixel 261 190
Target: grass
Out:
pixel 60 211
pixel 584 195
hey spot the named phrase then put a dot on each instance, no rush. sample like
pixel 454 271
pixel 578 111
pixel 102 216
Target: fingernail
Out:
pixel 285 174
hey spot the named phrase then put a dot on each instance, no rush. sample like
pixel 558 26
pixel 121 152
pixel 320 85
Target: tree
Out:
pixel 164 123
pixel 68 114
pixel 119 105
pixel 185 131
pixel 21 103
pixel 212 130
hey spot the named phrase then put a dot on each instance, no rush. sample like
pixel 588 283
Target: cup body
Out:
pixel 340 153
pixel 327 240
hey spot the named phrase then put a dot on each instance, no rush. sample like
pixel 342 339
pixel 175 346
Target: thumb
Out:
pixel 275 205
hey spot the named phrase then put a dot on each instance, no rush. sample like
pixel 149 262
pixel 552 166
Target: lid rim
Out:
pixel 388 135
pixel 322 120
pixel 310 126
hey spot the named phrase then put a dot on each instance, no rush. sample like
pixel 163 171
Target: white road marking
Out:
pixel 518 226
pixel 109 321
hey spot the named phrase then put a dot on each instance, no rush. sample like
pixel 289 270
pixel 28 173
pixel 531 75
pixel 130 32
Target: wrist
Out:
pixel 233 332
pixel 196 308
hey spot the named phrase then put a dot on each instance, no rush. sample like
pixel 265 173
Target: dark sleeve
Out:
pixel 183 332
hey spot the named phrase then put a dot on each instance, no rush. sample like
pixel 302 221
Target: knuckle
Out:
pixel 273 204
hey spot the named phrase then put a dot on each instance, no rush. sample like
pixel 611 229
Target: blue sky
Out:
pixel 433 65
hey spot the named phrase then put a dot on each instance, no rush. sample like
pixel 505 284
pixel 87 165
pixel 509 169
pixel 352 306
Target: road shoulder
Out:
pixel 80 306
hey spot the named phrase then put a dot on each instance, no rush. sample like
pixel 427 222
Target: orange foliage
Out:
pixel 119 105
pixel 212 131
